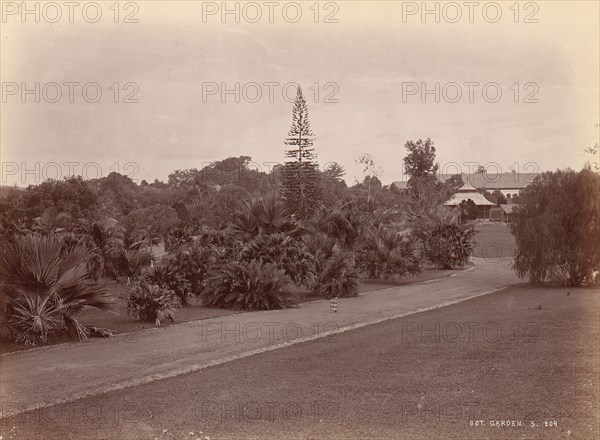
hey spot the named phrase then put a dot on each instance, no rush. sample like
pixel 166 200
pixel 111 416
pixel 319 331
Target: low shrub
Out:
pixel 449 245
pixel 247 285
pixel 285 252
pixel 44 286
pixel 193 262
pixel 385 253
pixel 468 210
pixel 168 277
pixel 335 274
pixel 150 302
pixel 32 318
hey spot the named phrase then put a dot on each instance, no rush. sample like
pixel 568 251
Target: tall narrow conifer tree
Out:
pixel 300 187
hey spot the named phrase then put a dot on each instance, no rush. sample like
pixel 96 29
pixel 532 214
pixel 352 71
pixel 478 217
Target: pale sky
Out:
pixel 370 56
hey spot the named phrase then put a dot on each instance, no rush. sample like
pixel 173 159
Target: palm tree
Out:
pixel 130 262
pixel 44 289
pixel 341 223
pixel 260 215
pixel 107 238
pixel 386 252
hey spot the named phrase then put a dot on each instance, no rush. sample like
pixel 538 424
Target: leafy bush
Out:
pixel 193 262
pixel 247 285
pixel 44 287
pixel 150 302
pixel 168 277
pixel 557 228
pixel 285 252
pixel 335 274
pixel 449 245
pixel 177 237
pixel 220 238
pixel 386 253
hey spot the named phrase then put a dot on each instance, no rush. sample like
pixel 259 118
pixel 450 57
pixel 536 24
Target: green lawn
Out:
pixel 531 356
pixel 494 240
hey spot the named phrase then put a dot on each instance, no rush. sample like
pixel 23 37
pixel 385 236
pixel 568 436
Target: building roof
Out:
pixel 489 181
pixel 477 198
pixel 509 208
pixel 400 184
pixel 467 187
pixel 495 181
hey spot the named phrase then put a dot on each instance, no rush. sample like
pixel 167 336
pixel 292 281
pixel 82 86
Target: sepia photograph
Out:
pixel 303 220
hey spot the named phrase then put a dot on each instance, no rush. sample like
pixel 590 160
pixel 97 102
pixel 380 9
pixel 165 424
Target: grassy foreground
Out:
pixel 527 357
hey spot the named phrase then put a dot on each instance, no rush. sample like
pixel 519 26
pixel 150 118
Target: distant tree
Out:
pixel 179 178
pixel 120 189
pixel 333 187
pixel 495 197
pixel 228 201
pixel 557 227
pixel 300 189
pixel 468 210
pixel 480 170
pixel 595 160
pixel 72 196
pixel 423 186
pixel 420 161
pixel 426 193
pixel 371 171
pixel 334 173
pixel 236 171
pixel 451 185
pixel 159 184
pixel 454 182
pixel 150 224
pixel 498 198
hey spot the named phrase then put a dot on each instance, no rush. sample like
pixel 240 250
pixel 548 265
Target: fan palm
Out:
pixel 260 215
pixel 341 223
pixel 335 273
pixel 107 238
pixel 130 262
pixel 387 252
pixel 44 289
